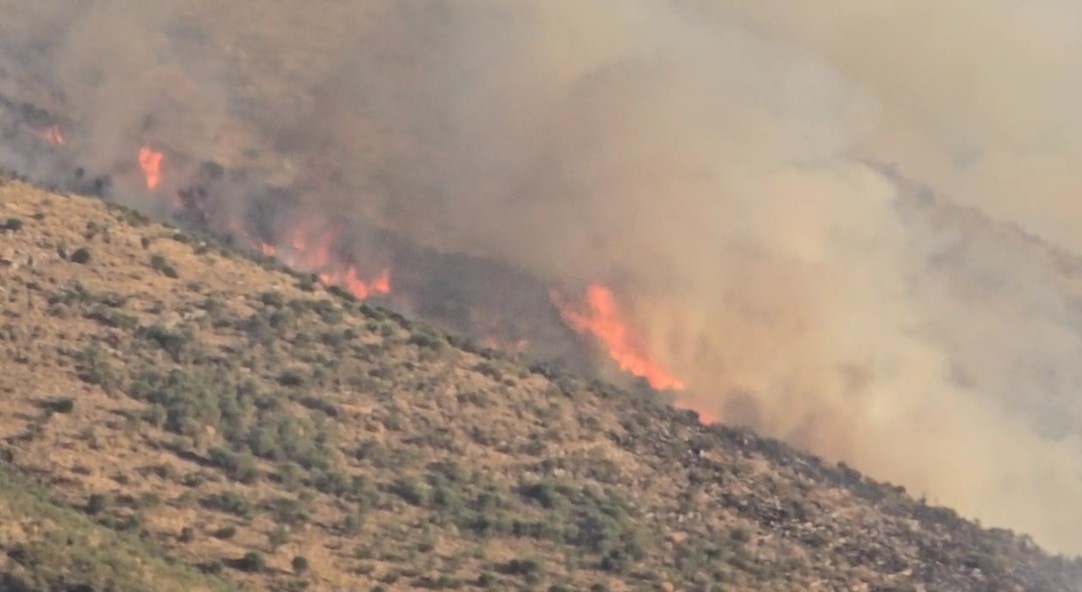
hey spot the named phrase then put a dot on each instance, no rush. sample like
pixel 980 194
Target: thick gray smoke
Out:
pixel 715 162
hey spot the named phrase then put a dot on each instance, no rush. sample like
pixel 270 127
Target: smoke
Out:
pixel 717 163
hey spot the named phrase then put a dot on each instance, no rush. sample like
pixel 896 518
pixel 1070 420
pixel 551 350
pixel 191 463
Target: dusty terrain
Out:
pixel 177 415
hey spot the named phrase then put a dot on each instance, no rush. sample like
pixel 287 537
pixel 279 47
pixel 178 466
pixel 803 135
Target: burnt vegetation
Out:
pixel 253 430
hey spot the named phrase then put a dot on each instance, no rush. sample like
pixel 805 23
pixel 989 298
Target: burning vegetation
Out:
pixel 151 163
pixel 310 250
pixel 308 245
pixel 602 319
pixel 683 192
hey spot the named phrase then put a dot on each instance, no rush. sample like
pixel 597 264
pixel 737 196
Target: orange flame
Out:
pixel 52 135
pixel 349 281
pixel 604 321
pixel 151 163
pixel 310 251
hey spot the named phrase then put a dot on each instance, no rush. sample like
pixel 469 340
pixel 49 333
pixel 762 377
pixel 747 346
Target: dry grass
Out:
pixel 201 406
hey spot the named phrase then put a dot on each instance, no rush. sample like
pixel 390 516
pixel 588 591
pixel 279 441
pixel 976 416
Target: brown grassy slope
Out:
pixel 205 411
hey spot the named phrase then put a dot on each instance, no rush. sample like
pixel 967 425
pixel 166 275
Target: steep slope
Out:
pixel 188 416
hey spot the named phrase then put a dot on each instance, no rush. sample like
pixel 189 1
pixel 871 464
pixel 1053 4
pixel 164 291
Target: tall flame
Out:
pixel 151 163
pixel 603 320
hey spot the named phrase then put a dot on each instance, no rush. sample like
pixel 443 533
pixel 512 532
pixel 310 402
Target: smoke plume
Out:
pixel 766 186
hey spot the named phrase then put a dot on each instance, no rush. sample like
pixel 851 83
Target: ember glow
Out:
pixel 604 321
pixel 52 135
pixel 151 163
pixel 311 250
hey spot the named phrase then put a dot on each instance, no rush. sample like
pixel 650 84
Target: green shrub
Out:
pixel 174 342
pixel 278 537
pixel 80 256
pixel 411 489
pixel 427 340
pixel 252 562
pixel 161 265
pixel 291 378
pixel 230 502
pixel 299 564
pixel 64 405
pixel 351 524
pixel 521 567
pixel 96 504
pixel 187 534
pixel 274 299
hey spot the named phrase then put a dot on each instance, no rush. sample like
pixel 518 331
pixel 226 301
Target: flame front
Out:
pixel 151 163
pixel 310 251
pixel 51 135
pixel 603 320
pixel 349 281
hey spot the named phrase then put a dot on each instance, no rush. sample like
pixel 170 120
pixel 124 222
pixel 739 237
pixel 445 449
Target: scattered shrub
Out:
pixel 96 504
pixel 299 564
pixel 411 489
pixel 64 405
pixel 278 537
pixel 162 265
pixel 187 534
pixel 291 378
pixel 252 562
pixel 80 256
pixel 230 502
pixel 272 299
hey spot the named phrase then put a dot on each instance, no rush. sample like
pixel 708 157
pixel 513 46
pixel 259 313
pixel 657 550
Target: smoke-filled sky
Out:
pixel 720 164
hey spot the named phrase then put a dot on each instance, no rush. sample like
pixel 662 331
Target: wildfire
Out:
pixel 151 163
pixel 349 281
pixel 52 135
pixel 604 321
pixel 310 251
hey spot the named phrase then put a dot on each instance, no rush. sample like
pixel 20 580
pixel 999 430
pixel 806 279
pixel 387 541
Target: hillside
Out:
pixel 181 416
